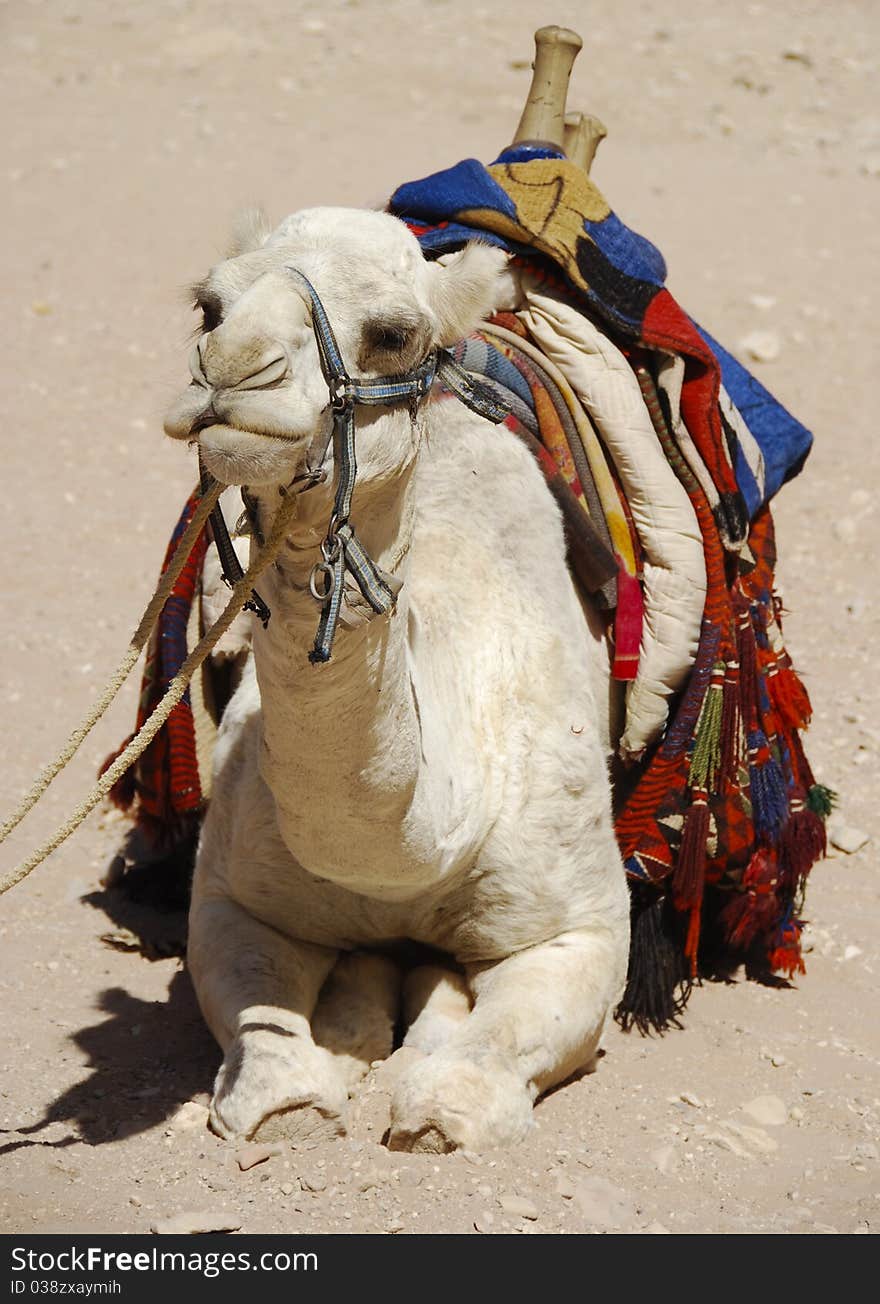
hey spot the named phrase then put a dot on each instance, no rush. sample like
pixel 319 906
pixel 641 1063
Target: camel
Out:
pixel 443 780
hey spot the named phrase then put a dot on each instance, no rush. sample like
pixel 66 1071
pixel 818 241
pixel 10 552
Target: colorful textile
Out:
pixel 551 208
pixel 723 820
pixel 163 786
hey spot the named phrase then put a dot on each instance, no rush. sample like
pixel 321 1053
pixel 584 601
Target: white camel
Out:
pixel 443 779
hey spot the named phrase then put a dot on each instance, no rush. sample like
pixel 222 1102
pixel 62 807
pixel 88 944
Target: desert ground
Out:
pixel 745 141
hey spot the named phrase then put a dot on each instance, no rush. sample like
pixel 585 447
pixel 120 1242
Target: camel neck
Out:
pixel 341 740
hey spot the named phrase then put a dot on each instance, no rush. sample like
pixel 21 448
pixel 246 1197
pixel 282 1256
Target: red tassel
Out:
pixel 690 870
pixel 122 794
pixel 802 843
pixel 730 723
pixel 754 908
pixel 790 698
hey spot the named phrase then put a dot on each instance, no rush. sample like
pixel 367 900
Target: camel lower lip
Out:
pixel 228 429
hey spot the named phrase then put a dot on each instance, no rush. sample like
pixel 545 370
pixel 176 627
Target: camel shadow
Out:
pixel 145 1059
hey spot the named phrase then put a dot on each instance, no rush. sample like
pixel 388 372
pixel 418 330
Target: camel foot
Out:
pixel 274 1088
pixel 443 1104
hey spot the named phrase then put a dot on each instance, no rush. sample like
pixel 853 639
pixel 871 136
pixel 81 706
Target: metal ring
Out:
pixel 331 548
pixel 321 568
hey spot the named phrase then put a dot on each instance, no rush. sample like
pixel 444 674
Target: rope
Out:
pixel 174 693
pixel 128 662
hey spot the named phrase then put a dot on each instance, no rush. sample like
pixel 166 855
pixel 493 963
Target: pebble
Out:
pixel 190 1114
pixel 287 1188
pixel 763 302
pixel 850 952
pixel 396 1225
pixel 249 1156
pixel 846 837
pixel 484 1222
pixel 770 1111
pixel 755 1137
pixel 761 346
pixel 690 1099
pixel 566 1188
pixel 195 1223
pixel 315 1184
pixel 603 1204
pixel 517 1206
pixel 664 1158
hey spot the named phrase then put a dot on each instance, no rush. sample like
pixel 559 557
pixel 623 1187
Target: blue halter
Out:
pixel 340 550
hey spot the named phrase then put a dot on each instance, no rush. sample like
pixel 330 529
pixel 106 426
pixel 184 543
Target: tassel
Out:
pixel 821 800
pixel 124 790
pixel 803 842
pixel 730 723
pixel 754 907
pixel 706 757
pixel 657 982
pixel 689 874
pixel 789 697
pixel 767 788
pixel 748 672
pixel 785 955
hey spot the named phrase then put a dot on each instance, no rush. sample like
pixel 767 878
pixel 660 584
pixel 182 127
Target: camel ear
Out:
pixel 250 231
pixel 466 288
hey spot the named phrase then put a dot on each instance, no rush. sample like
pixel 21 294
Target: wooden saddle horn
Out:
pixel 544 121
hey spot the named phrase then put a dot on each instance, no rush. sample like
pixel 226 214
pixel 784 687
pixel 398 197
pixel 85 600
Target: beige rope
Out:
pixel 128 662
pixel 174 693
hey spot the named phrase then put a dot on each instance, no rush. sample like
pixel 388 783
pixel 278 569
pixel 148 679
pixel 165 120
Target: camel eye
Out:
pixel 209 305
pixel 390 339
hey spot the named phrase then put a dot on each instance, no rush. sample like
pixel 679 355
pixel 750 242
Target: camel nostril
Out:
pixel 273 368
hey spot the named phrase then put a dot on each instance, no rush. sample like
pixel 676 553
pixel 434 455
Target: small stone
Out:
pixel 249 1156
pixel 287 1188
pixel 769 1111
pixel 846 837
pixel 664 1158
pixel 763 302
pixel 484 1222
pixel 396 1225
pixel 195 1223
pixel 755 1137
pixel 761 346
pixel 850 952
pixel 603 1204
pixel 517 1206
pixel 726 1142
pixel 777 1061
pixel 657 1229
pixel 566 1188
pixel 690 1099
pixel 190 1114
pixel 796 1113
pixel 315 1184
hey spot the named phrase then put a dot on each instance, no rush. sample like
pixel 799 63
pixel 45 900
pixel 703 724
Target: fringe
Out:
pixel 658 982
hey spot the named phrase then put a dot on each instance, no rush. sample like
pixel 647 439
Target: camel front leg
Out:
pixel 537 1017
pixel 258 989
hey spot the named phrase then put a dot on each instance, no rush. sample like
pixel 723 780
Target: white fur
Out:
pixel 443 779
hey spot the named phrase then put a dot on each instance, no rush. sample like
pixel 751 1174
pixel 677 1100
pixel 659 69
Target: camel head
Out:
pixel 258 402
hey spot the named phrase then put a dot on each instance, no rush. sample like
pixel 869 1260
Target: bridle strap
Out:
pixel 341 550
